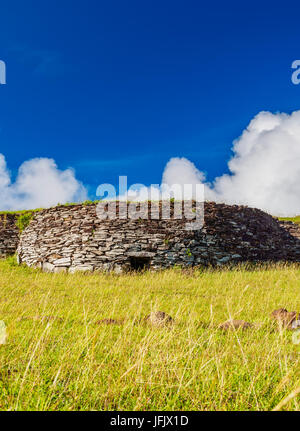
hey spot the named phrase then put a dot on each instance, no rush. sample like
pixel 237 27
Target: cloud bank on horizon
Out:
pixel 264 173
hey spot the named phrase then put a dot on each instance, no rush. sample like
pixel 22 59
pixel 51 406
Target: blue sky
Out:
pixel 117 88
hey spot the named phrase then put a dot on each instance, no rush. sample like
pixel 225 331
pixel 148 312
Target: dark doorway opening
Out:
pixel 139 263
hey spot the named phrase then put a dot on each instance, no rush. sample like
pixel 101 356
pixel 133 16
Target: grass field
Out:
pixel 58 357
pixel 293 219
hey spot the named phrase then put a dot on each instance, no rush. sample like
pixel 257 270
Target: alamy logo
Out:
pixel 2 72
pixel 179 201
pixel 296 74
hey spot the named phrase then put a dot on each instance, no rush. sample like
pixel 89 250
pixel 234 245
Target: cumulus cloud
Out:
pixel 264 169
pixel 181 180
pixel 182 170
pixel 39 183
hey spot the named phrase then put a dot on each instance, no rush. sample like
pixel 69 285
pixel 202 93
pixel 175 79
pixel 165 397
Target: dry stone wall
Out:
pixel 292 228
pixel 72 238
pixel 9 234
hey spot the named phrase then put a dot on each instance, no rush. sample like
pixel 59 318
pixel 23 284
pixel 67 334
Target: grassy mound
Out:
pixel 293 219
pixel 77 342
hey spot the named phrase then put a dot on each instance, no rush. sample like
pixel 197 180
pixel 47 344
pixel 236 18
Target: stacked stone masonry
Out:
pixel 9 234
pixel 73 238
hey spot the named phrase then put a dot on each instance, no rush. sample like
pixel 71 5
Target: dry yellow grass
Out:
pixel 58 356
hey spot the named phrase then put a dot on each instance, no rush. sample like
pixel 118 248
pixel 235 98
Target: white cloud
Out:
pixel 181 171
pixel 264 171
pixel 265 168
pixel 178 175
pixel 39 183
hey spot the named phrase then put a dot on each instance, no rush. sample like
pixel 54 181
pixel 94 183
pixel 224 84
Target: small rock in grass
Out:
pixel 159 318
pixel 235 324
pixel 285 318
pixel 295 324
pixel 109 322
pixel 48 318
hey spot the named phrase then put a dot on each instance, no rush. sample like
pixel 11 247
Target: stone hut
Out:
pixel 73 238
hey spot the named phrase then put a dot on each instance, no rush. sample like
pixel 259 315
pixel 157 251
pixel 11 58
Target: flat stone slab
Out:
pixel 235 324
pixel 159 318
